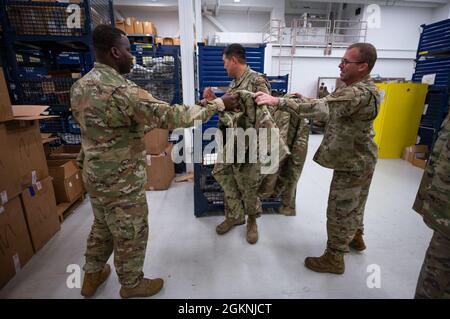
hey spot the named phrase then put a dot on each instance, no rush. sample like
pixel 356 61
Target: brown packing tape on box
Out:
pixel 15 243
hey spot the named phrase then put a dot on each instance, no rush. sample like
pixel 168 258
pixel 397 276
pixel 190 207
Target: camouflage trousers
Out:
pixel 434 278
pixel 240 183
pixel 283 184
pixel 120 225
pixel 346 203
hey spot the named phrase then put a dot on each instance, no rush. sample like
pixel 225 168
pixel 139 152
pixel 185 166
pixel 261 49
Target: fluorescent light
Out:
pixel 236 0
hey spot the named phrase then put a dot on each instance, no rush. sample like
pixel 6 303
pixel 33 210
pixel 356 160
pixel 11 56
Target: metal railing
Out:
pixel 315 32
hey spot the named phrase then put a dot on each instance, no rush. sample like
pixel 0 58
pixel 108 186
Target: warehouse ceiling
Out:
pixel 267 5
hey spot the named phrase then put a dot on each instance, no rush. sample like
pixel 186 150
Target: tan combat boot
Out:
pixel 145 288
pixel 93 280
pixel 328 262
pixel 227 224
pixel 358 242
pixel 252 230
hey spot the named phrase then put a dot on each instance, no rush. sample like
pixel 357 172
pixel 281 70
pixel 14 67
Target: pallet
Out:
pixel 65 209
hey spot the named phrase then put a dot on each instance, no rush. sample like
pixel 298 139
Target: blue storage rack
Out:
pixel 37 39
pixel 158 70
pixel 208 194
pixel 433 57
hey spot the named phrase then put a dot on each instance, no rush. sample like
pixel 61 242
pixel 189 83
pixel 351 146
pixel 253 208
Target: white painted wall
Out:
pixel 243 22
pixel 441 13
pixel 400 28
pixel 310 64
pixel 166 22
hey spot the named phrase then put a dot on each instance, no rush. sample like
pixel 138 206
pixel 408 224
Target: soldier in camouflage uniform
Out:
pixel 240 181
pixel 347 147
pixel 434 196
pixel 112 113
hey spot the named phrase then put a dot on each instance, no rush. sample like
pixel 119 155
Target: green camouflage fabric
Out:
pixel 349 149
pixel 349 111
pixel 240 181
pixel 112 113
pixel 295 133
pixel 436 193
pixel 434 278
pixel 120 225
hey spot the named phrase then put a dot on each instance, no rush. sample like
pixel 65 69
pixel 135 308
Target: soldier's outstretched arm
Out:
pixel 138 105
pixel 308 108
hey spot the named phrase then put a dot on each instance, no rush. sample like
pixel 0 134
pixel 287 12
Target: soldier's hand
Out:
pixel 298 95
pixel 264 98
pixel 231 102
pixel 208 94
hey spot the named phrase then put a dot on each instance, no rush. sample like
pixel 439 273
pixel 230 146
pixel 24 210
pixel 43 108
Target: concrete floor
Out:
pixel 197 263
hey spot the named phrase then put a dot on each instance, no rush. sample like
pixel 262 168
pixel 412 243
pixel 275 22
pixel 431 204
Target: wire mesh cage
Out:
pixel 158 76
pixel 69 138
pixel 44 18
pixel 46 90
pixel 54 18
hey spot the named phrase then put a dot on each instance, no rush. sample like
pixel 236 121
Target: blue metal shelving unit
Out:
pixel 158 70
pixel 38 40
pixel 433 57
pixel 208 194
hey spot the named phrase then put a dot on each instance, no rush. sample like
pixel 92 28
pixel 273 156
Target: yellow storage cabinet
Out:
pixel 397 123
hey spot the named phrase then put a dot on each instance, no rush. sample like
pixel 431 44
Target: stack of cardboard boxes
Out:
pixel 160 168
pixel 67 178
pixel 28 217
pixel 132 26
pixel 416 155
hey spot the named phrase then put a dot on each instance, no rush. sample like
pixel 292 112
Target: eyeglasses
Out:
pixel 345 62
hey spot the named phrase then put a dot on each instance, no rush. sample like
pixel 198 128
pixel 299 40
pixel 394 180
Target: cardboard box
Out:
pixel 409 152
pixel 138 27
pixel 9 176
pixel 149 28
pixel 66 152
pixel 129 25
pixel 156 141
pixel 40 212
pixel 67 180
pixel 6 113
pixel 120 24
pixel 160 170
pixel 24 141
pixel 420 161
pixel 167 41
pixel 15 244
